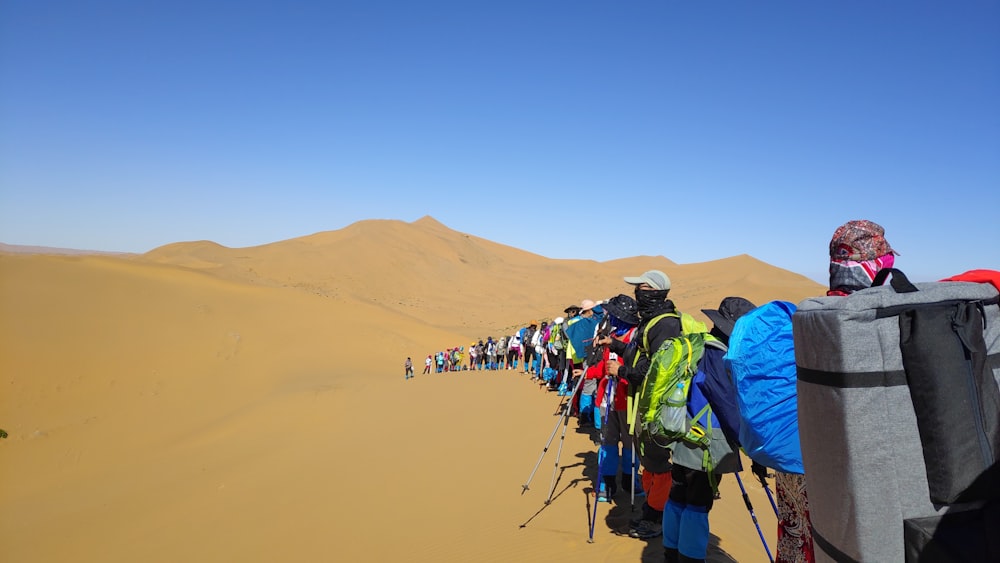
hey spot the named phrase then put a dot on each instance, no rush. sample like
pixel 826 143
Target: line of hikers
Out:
pixel 676 402
pixel 544 343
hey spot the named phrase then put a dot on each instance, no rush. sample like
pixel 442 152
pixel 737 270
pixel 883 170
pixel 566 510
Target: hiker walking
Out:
pixel 658 321
pixel 409 367
pixel 427 364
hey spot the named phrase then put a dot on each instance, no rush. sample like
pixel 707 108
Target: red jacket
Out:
pixel 621 385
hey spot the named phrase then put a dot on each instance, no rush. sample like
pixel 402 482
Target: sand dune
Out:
pixel 203 403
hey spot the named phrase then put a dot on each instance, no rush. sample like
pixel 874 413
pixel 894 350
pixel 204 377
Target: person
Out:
pixel 580 333
pixel 513 350
pixel 427 364
pixel 658 321
pixel 527 347
pixel 858 250
pixel 612 401
pixel 491 354
pixel 501 352
pixel 409 367
pixel 556 352
pixel 538 341
pixel 693 486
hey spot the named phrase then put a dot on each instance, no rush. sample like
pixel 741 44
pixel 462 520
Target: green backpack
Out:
pixel 661 408
pixel 556 338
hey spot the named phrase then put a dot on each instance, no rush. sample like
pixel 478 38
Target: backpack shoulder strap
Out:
pixel 649 325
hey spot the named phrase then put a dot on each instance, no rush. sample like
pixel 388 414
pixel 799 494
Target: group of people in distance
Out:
pixel 600 354
pixel 531 350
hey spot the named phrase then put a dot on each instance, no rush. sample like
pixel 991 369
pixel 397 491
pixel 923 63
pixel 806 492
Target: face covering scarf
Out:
pixel 619 326
pixel 848 276
pixel 650 300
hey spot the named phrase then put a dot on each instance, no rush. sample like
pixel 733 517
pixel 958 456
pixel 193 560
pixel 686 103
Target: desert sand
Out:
pixel 204 403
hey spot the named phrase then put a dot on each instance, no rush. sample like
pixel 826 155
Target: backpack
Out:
pixel 662 416
pixel 689 325
pixel 761 359
pixel 556 338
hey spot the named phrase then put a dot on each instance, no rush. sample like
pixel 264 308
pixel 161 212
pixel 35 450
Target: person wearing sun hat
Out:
pixel 580 332
pixel 686 531
pixel 622 318
pixel 724 318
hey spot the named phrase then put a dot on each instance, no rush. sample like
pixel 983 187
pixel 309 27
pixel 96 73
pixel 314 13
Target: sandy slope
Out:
pixel 201 403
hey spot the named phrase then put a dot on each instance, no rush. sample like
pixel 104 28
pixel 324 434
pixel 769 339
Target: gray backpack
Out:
pixel 899 421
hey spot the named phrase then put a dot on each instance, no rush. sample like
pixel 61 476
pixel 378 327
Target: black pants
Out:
pixel 691 487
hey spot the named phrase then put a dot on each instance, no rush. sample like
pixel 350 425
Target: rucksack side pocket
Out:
pixel 955 398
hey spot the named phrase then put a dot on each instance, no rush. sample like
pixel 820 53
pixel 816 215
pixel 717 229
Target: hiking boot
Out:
pixel 647 530
pixel 607 489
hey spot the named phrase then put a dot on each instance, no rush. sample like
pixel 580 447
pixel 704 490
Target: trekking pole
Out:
pixel 746 500
pixel 562 438
pixel 770 497
pixel 524 487
pixel 609 392
pixel 564 413
pixel 634 476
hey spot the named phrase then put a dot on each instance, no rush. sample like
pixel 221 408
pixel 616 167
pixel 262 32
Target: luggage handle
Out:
pixel 899 281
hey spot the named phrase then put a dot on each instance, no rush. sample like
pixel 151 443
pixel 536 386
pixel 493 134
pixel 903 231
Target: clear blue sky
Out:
pixel 569 128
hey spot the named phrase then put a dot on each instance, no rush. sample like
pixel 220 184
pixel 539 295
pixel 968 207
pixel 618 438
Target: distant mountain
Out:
pixel 23 249
pixel 461 282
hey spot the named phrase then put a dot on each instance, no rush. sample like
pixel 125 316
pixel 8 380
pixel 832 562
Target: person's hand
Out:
pixel 613 366
pixel 604 341
pixel 577 372
pixel 760 471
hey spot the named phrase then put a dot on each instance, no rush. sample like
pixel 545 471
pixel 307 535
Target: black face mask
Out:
pixel 649 300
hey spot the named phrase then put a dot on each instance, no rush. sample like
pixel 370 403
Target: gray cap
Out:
pixel 655 278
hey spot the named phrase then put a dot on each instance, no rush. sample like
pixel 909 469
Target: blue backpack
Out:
pixel 715 385
pixel 761 359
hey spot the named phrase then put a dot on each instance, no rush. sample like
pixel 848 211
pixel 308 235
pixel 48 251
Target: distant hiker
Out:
pixel 527 347
pixel 513 350
pixel 409 367
pixel 556 352
pixel 427 364
pixel 537 340
pixel 480 354
pixel 571 311
pixel 592 376
pixel 658 321
pixel 501 352
pixel 693 486
pixel 491 354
